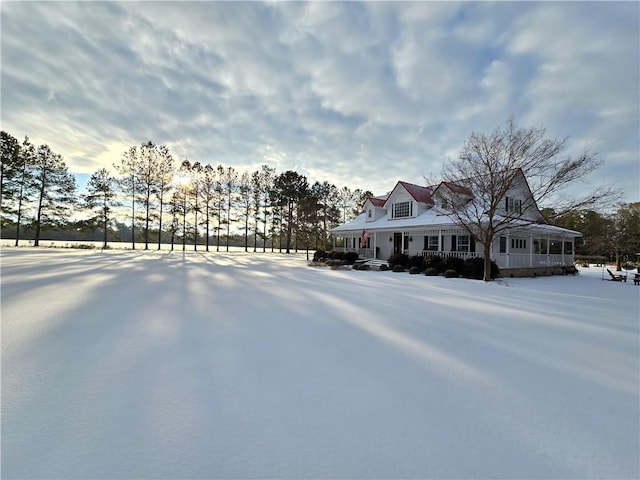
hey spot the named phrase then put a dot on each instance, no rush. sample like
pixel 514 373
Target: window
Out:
pixel 369 213
pixel 519 243
pixel 513 205
pixel 401 210
pixel 463 243
pixel 432 243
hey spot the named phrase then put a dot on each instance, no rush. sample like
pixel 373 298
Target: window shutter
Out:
pixel 472 244
pixel 454 241
pixel 506 204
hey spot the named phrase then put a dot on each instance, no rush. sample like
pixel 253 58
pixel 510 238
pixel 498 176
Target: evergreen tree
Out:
pixel 56 189
pixel 9 170
pixel 101 198
pixel 246 199
pixel 288 189
pixel 128 183
pixel 165 177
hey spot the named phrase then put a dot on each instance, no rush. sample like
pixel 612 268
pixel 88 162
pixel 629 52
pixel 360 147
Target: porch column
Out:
pixel 439 240
pixel 531 250
pixel 402 244
pixel 375 235
pixel 548 246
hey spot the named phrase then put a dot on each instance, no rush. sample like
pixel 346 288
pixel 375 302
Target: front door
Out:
pixel 397 243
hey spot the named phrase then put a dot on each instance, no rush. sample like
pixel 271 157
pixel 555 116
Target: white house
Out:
pixel 410 220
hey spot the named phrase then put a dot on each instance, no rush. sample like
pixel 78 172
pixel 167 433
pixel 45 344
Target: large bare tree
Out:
pixel 492 165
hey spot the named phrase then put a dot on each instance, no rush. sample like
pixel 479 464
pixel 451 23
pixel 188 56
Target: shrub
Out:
pixel 450 274
pixel 398 268
pixel 350 257
pixel 414 270
pixel 384 267
pixel 474 268
pixel 434 261
pixel 362 267
pixel 319 255
pixel 453 263
pixel 337 255
pixel 399 259
pixel 431 272
pixel 416 261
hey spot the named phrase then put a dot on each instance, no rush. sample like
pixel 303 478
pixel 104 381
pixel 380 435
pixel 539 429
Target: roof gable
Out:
pixel 418 193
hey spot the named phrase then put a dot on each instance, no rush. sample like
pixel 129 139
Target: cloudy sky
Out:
pixel 360 93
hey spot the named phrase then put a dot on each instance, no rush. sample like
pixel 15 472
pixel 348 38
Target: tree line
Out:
pixel 167 201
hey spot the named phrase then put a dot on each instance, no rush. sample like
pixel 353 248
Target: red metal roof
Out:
pixel 420 194
pixel 457 188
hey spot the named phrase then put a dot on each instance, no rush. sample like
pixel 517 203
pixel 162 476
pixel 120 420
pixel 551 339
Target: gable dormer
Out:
pixel 407 200
pixel 374 208
pixel 447 193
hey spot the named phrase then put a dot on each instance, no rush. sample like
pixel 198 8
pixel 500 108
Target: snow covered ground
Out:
pixel 131 364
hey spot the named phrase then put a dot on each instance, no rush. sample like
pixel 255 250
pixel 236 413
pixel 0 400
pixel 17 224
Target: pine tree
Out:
pixel 56 189
pixel 101 198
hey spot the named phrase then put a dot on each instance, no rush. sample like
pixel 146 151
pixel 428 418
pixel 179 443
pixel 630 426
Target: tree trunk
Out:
pixel 487 261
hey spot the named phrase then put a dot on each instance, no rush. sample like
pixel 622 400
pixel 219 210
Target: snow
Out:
pixel 132 364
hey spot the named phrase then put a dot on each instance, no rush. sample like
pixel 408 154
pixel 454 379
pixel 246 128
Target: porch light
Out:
pixel 411 239
pixel 391 239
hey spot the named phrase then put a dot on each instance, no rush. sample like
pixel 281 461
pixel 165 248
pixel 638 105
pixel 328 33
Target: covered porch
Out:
pixel 531 246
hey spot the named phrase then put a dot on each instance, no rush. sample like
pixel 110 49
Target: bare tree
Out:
pixel 490 166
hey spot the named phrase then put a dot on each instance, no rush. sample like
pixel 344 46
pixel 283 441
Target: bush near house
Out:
pixel 320 255
pixel 431 272
pixel 416 261
pixel 350 257
pixel 337 255
pixel 384 267
pixel 474 268
pixel 453 263
pixel 451 274
pixel 414 270
pixel 398 268
pixel 434 261
pixel 399 259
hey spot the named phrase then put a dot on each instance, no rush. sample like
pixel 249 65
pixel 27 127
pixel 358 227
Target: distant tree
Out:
pixel 175 209
pixel 183 188
pixel 195 192
pixel 147 171
pixel 288 189
pixel 246 199
pixel 18 182
pixel 267 177
pixel 55 186
pixel 208 195
pixel 128 183
pixel 490 165
pixel 230 186
pixel 622 235
pixel 219 202
pixel 101 197
pixel 9 171
pixel 165 176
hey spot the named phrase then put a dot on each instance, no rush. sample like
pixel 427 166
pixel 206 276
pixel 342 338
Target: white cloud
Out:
pixel 360 91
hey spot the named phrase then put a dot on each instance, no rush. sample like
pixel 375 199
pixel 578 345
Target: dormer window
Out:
pixel 369 213
pixel 401 209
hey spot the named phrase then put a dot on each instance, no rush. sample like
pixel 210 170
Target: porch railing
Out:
pixel 503 260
